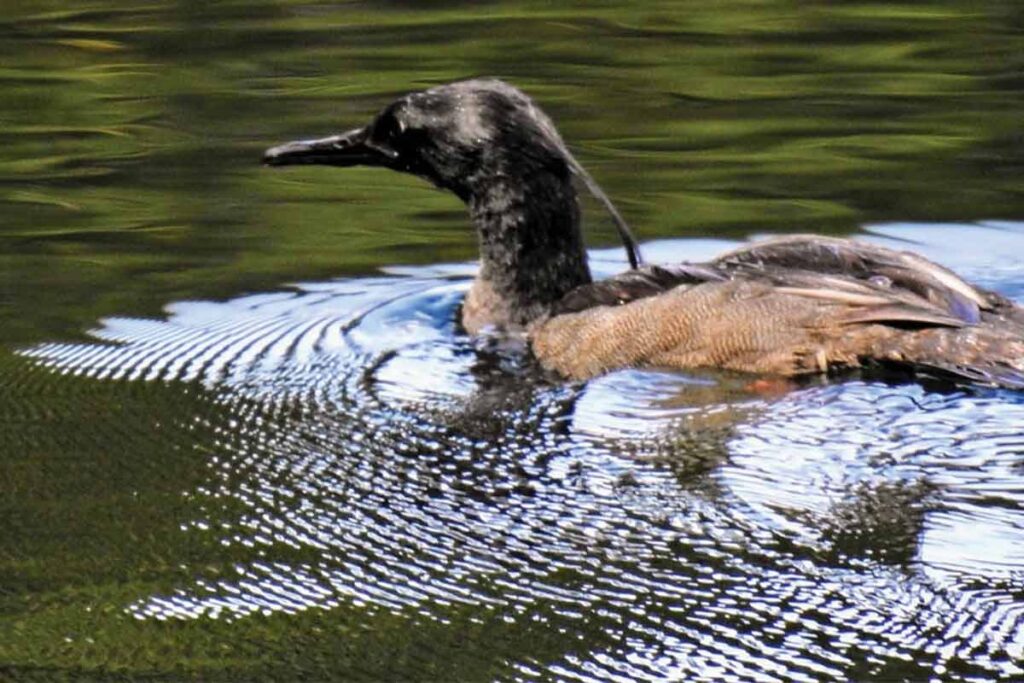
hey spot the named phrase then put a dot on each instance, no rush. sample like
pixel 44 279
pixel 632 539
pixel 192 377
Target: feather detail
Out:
pixel 841 264
pixel 838 296
pixel 636 284
pixel 899 315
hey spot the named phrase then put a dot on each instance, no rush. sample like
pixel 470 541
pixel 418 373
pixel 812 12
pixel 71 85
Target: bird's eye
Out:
pixel 389 128
pixel 385 136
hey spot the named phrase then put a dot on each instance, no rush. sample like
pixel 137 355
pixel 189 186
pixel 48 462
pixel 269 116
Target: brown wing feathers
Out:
pixel 873 282
pixel 897 270
pixel 637 284
pixel 861 303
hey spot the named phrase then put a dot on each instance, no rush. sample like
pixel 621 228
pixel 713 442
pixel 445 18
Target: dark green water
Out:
pixel 209 472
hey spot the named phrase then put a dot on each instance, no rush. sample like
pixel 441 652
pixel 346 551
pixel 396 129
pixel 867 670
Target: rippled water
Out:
pixel 364 462
pixel 209 473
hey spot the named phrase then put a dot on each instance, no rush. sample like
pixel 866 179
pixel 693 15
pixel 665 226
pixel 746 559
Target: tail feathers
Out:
pixel 993 374
pixel 989 354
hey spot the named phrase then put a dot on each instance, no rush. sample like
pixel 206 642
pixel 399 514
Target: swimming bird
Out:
pixel 786 307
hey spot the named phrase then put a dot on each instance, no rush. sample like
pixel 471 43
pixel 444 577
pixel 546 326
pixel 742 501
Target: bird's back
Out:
pixel 788 307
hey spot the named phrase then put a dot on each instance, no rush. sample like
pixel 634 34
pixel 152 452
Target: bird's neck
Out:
pixel 531 250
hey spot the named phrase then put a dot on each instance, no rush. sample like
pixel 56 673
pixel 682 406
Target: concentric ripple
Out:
pixel 668 525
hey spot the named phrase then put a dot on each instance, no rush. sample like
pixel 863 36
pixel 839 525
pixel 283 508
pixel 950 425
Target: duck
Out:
pixel 788 307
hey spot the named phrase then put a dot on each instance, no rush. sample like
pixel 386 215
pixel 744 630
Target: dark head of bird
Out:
pixel 494 148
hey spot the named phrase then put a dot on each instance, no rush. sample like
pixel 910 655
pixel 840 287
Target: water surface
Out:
pixel 241 436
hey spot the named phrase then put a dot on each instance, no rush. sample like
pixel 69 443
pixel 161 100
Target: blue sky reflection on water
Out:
pixel 740 533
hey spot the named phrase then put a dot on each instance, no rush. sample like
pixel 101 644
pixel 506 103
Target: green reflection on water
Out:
pixel 132 134
pixel 102 485
pixel 129 178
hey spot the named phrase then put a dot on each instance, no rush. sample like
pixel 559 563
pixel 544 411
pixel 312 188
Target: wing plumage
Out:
pixel 792 305
pixel 637 284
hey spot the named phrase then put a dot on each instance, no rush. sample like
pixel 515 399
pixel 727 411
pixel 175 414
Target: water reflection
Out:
pixel 407 503
pixel 131 131
pixel 668 524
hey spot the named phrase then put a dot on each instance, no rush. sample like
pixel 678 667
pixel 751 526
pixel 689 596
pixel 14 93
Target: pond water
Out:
pixel 242 437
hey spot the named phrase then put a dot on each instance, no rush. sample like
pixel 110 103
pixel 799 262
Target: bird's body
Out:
pixel 791 306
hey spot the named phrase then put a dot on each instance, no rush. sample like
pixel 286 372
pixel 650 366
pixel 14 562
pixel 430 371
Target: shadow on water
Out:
pixel 366 467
